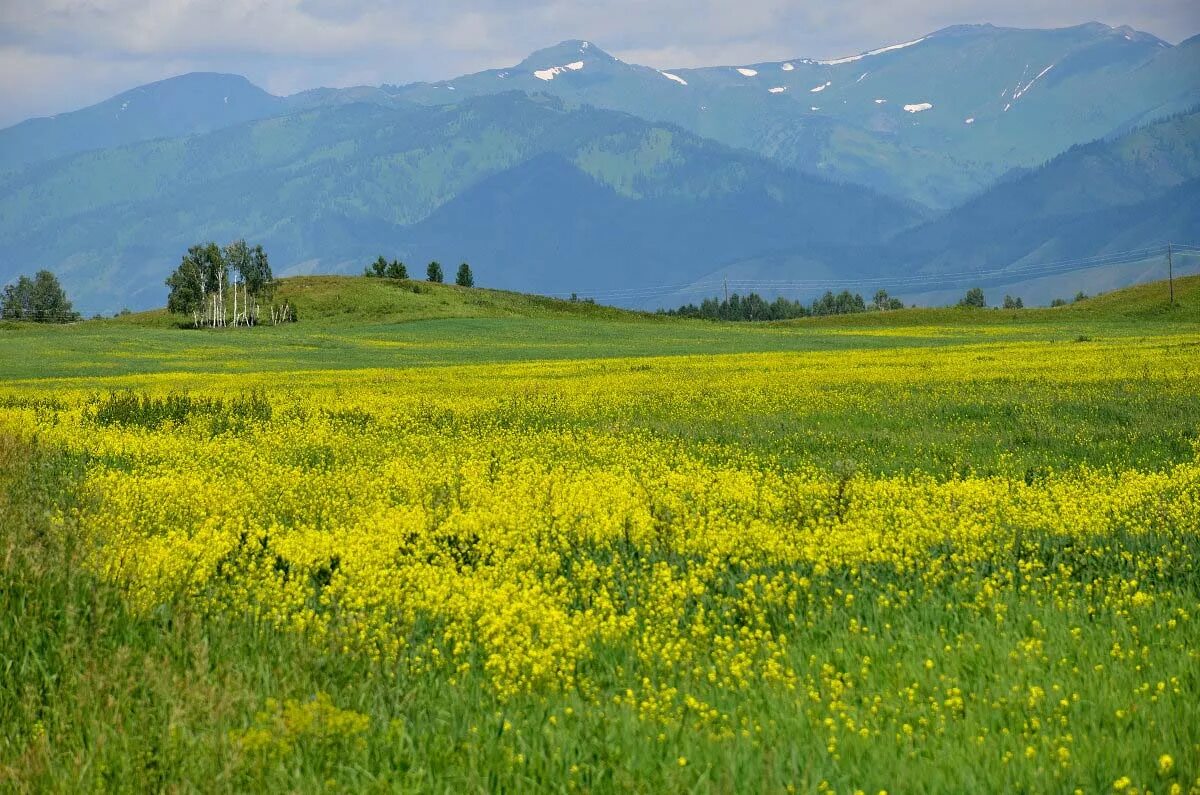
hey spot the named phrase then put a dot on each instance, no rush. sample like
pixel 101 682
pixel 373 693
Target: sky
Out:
pixel 58 55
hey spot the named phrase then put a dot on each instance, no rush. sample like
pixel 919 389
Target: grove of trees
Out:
pixel 753 306
pixel 885 302
pixel 974 299
pixel 40 299
pixel 382 269
pixel 204 288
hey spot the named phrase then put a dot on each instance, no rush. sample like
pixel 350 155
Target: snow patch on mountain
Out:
pixel 820 88
pixel 747 72
pixel 676 78
pixel 787 67
pixel 1018 94
pixel 971 120
pixel 880 51
pixel 777 89
pixel 918 107
pixel 549 74
pixel 880 101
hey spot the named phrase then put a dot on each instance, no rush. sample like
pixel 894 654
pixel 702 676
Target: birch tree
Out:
pixel 237 258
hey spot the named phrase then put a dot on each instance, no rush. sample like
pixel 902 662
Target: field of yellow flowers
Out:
pixel 909 568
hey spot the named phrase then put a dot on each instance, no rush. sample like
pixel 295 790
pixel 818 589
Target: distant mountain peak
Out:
pixel 564 55
pixel 1093 28
pixel 196 80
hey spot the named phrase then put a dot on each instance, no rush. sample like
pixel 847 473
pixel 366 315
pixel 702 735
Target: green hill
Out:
pixel 359 300
pixel 350 299
pixel 1129 307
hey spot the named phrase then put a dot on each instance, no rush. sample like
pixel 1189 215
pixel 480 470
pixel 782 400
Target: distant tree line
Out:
pixel 1079 296
pixel 40 299
pixel 204 288
pixel 382 269
pixel 753 307
pixel 975 299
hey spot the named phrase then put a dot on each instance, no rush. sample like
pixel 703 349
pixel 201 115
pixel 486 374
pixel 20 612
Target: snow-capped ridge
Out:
pixel 880 51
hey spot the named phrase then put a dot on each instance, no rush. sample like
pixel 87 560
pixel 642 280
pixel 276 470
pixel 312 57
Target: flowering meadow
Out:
pixel 916 567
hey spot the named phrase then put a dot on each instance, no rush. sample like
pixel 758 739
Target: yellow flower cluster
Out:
pixel 543 527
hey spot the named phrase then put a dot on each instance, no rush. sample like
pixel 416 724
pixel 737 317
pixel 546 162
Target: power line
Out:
pixel 1079 263
pixel 926 280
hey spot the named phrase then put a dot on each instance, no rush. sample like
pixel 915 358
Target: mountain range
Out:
pixel 972 147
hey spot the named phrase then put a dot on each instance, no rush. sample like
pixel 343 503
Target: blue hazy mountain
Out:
pixel 936 119
pixel 523 186
pixel 184 105
pixel 1132 191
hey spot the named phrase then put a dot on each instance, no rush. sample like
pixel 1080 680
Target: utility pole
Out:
pixel 726 291
pixel 1170 275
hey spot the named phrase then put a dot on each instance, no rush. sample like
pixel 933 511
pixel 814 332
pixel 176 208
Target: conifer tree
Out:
pixel 464 277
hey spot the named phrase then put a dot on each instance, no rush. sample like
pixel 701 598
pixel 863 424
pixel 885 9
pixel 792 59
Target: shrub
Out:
pixel 974 299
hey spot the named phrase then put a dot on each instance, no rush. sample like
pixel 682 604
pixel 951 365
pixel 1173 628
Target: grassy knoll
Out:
pixel 354 322
pixel 470 540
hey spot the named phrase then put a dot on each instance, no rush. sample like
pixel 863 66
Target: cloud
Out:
pixel 60 54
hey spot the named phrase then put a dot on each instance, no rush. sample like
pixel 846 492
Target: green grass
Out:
pixel 96 696
pixel 355 322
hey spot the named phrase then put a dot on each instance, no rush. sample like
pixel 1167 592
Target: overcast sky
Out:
pixel 58 55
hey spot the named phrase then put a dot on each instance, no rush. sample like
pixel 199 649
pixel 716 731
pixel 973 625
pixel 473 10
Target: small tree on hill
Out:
pixel 1079 296
pixel 397 270
pixel 257 281
pixel 17 302
pixel 1013 303
pixel 50 304
pixel 883 301
pixel 187 288
pixel 464 277
pixel 974 299
pixel 433 272
pixel 378 268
